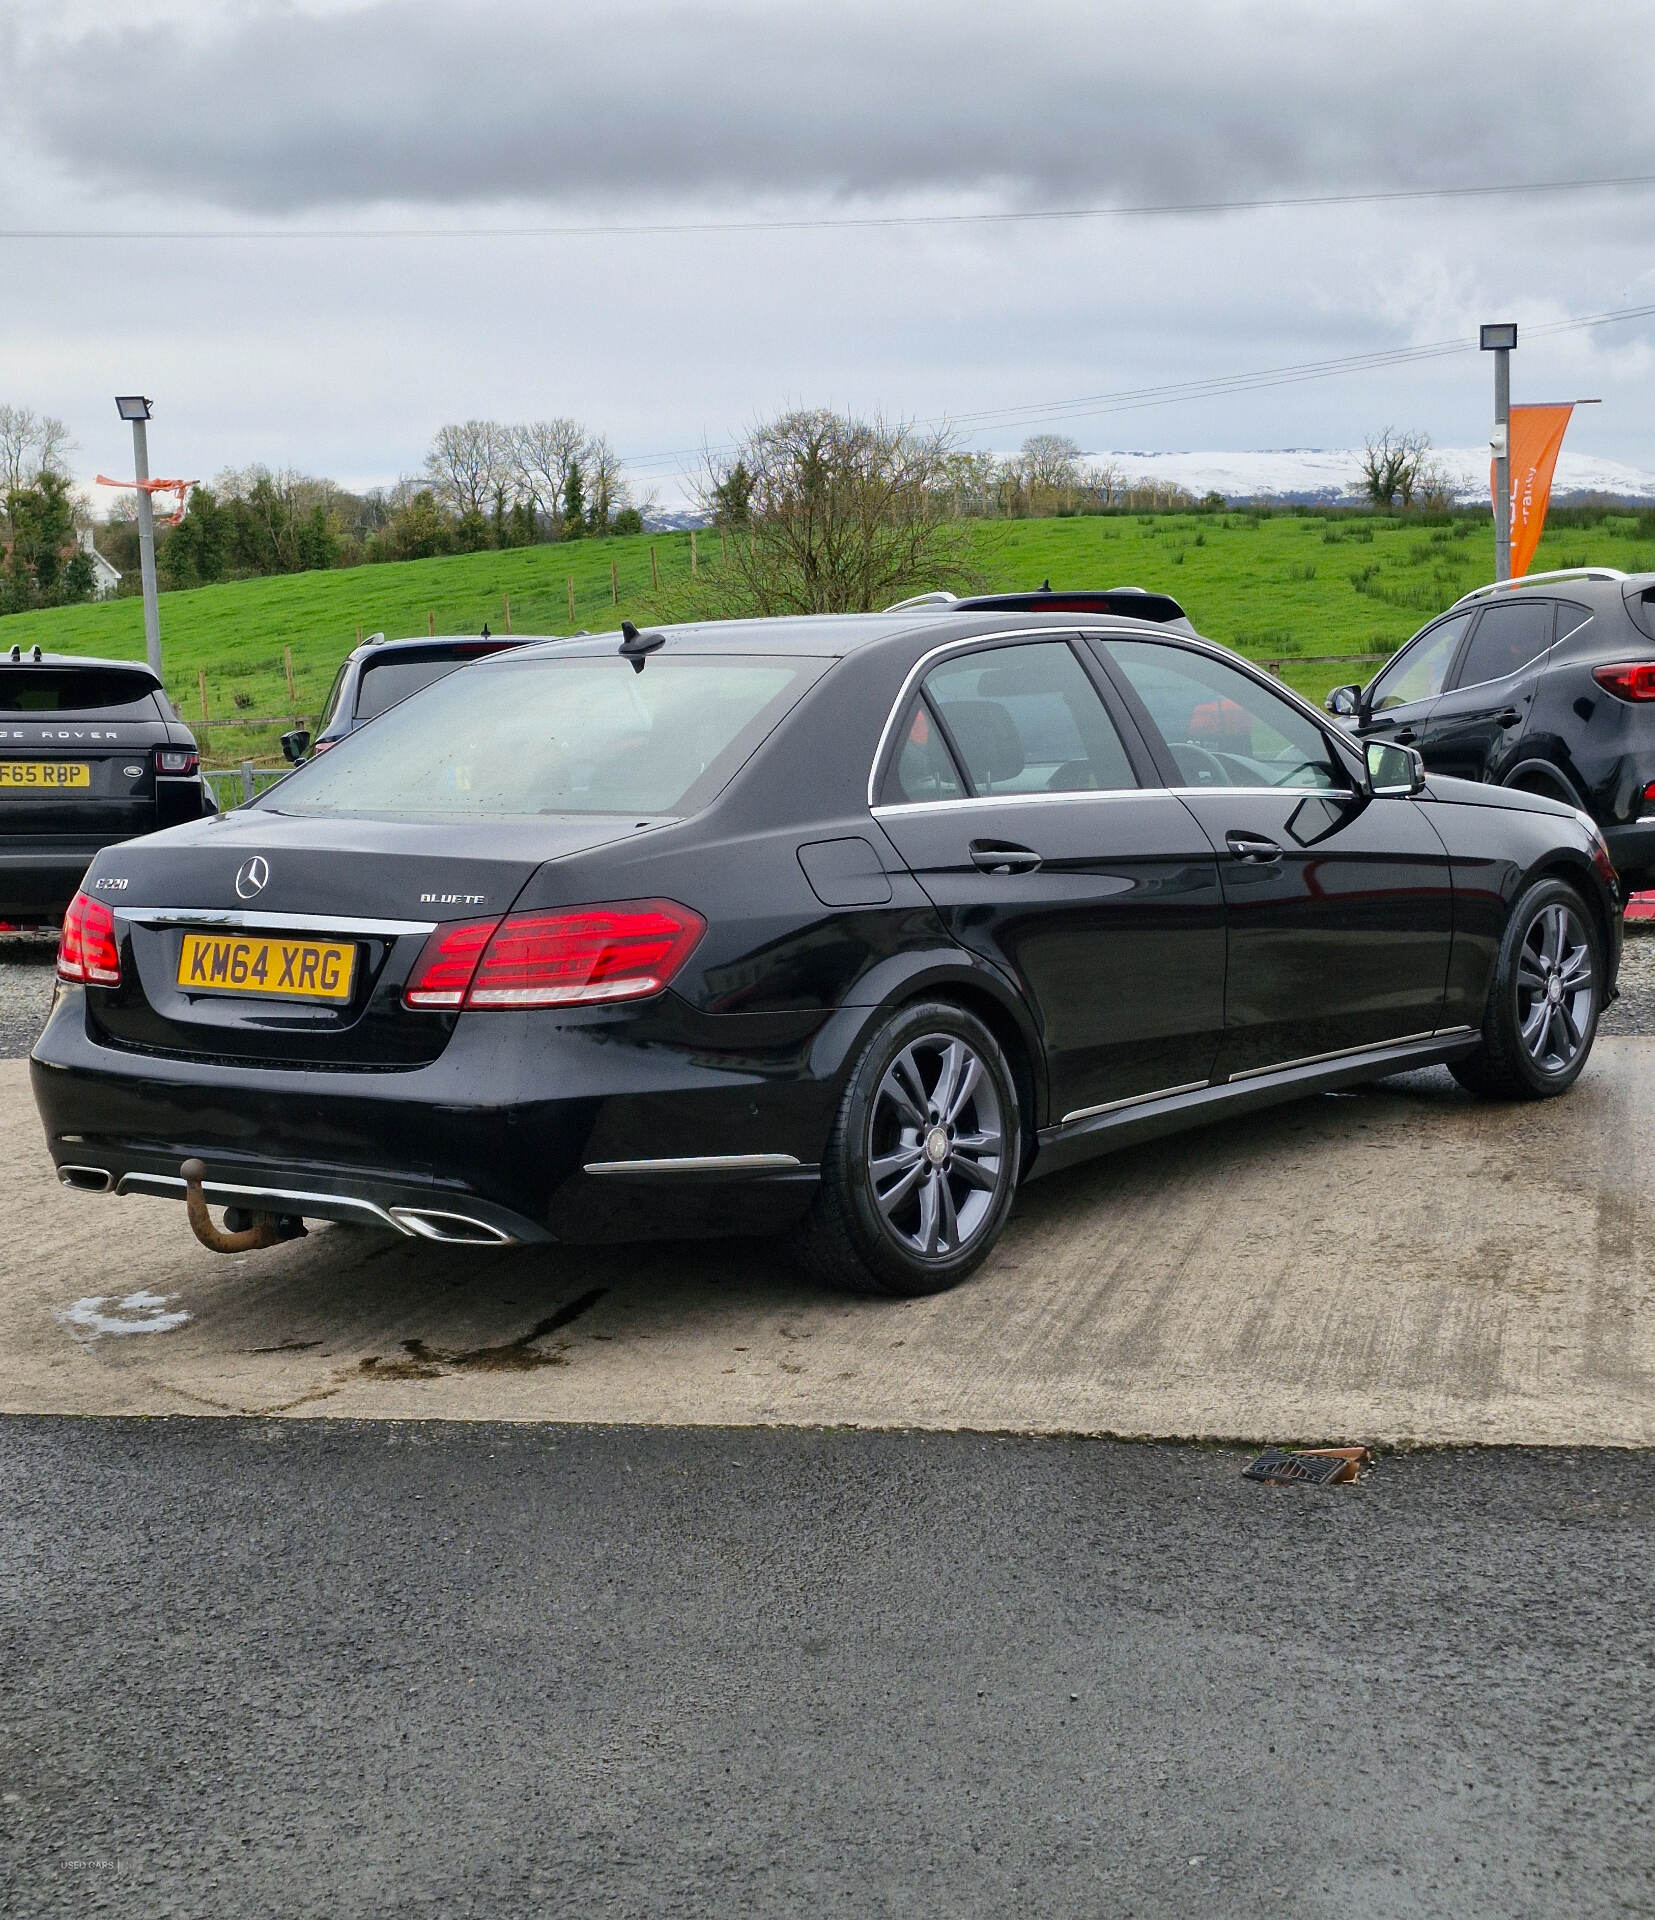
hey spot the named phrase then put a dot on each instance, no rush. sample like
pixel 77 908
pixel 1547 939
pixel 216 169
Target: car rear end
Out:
pixel 422 985
pixel 90 756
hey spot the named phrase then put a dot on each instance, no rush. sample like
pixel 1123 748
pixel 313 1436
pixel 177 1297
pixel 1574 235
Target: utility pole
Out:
pixel 1499 339
pixel 135 407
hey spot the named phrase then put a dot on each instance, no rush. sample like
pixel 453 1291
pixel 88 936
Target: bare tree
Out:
pixel 1050 464
pixel 606 490
pixel 846 515
pixel 1393 466
pixel 31 444
pixel 1103 483
pixel 465 462
pixel 542 452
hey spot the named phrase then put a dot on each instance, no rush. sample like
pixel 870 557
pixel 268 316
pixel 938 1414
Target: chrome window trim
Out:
pixel 917 671
pixel 1327 793
pixel 242 917
pixel 887 809
pixel 1133 1100
pixel 699 1163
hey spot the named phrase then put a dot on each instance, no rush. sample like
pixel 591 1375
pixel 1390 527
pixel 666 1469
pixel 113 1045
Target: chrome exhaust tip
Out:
pixel 452 1229
pixel 86 1179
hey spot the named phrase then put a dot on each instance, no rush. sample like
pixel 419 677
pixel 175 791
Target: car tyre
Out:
pixel 921 1165
pixel 1543 1006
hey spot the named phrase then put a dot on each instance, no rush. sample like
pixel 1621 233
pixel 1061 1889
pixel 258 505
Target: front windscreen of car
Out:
pixel 586 734
pixel 57 689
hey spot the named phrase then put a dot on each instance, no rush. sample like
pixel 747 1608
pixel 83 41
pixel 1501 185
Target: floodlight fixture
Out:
pixel 1498 335
pixel 132 406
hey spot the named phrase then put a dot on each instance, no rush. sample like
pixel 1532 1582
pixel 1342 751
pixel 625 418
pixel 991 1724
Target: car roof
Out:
pixel 18 655
pixel 837 635
pixel 416 642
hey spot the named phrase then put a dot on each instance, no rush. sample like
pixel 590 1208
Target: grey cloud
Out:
pixel 271 111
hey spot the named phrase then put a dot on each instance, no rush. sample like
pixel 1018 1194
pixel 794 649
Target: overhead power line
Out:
pixel 827 222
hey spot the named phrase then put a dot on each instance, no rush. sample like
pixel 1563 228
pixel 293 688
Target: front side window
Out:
pixel 1417 673
pixel 1221 727
pixel 582 734
pixel 1026 719
pixel 1509 635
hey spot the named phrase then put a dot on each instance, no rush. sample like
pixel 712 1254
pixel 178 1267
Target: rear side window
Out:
pixel 105 690
pixel 520 738
pixel 1509 635
pixel 1419 672
pixel 1028 720
pixel 922 768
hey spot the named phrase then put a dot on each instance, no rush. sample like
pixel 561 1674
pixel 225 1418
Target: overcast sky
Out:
pixel 341 356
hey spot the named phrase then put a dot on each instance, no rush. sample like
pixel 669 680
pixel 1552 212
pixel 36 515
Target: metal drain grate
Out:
pixel 1308 1466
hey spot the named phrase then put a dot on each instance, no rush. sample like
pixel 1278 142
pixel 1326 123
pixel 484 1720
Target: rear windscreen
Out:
pixel 106 690
pixel 387 683
pixel 583 735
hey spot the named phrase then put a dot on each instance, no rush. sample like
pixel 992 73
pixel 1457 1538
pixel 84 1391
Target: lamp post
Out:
pixel 134 407
pixel 1499 339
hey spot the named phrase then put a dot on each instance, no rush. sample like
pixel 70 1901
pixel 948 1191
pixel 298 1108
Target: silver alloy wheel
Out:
pixel 1555 987
pixel 937 1156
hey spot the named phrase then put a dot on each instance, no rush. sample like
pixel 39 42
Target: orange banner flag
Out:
pixel 1536 439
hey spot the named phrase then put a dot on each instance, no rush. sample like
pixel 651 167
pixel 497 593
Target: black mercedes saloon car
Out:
pixel 90 755
pixel 842 926
pixel 1546 684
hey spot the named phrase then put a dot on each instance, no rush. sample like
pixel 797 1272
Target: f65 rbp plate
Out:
pixel 277 968
pixel 43 776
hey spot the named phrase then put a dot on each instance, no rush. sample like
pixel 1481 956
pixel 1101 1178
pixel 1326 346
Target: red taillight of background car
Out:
pixel 1632 680
pixel 86 949
pixel 177 760
pixel 621 950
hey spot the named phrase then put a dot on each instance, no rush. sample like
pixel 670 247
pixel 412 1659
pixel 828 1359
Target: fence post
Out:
pixel 246 782
pixel 695 565
pixel 723 549
pixel 287 664
pixel 506 601
pixel 614 585
pixel 206 717
pixel 359 634
pixel 571 599
pixel 654 570
pixel 431 620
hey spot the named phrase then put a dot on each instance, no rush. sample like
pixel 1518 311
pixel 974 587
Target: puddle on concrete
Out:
pixel 509 1356
pixel 100 1313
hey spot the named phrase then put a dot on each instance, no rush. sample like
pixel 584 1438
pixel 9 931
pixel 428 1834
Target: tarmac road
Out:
pixel 327 1669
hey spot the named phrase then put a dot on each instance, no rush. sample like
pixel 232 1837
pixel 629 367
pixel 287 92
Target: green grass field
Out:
pixel 1283 587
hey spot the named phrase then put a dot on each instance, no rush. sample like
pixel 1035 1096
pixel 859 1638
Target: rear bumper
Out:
pixel 527 1128
pixel 1632 847
pixel 39 874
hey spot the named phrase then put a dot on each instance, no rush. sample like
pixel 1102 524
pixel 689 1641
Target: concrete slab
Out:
pixel 1399 1265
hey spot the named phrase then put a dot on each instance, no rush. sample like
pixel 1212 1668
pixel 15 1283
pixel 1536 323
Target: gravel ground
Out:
pixel 26 991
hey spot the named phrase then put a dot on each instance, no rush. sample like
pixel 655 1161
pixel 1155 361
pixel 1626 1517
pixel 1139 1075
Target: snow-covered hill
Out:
pixel 1319 474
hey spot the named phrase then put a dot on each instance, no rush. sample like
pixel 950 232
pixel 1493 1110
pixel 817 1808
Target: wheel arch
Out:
pixel 1535 775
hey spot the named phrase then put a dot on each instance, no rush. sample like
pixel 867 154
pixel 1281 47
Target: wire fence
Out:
pixel 235 786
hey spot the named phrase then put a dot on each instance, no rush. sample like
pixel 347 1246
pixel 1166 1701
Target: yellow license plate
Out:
pixel 286 969
pixel 38 776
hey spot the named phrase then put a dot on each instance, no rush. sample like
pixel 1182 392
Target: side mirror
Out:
pixel 296 745
pixel 1346 702
pixel 1393 770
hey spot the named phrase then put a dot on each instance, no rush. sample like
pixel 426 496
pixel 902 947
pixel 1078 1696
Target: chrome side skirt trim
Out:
pixel 1133 1100
pixel 700 1163
pixel 242 917
pixel 1337 1053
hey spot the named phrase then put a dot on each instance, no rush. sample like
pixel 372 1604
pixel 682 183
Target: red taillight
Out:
pixel 624 950
pixel 86 949
pixel 1633 680
pixel 176 760
pixel 446 964
pixel 324 746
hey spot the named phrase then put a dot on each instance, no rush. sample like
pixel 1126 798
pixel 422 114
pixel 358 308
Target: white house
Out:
pixel 106 579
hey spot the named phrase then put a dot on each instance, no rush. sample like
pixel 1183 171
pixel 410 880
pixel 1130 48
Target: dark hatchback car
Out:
pixel 843 925
pixel 90 755
pixel 380 674
pixel 1545 684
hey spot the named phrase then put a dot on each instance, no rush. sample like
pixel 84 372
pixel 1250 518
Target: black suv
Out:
pixel 382 673
pixel 90 754
pixel 1545 684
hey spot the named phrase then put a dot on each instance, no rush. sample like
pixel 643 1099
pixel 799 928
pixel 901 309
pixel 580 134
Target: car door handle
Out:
pixel 1003 856
pixel 1509 718
pixel 1252 846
